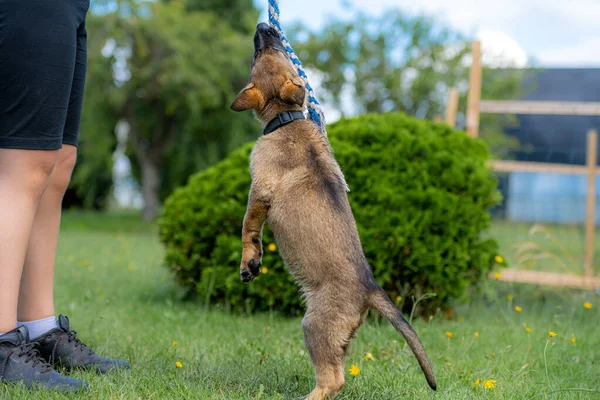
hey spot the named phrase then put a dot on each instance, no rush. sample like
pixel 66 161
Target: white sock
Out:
pixel 39 327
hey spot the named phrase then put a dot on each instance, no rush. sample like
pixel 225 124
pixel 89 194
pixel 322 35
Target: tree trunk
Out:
pixel 150 170
pixel 149 154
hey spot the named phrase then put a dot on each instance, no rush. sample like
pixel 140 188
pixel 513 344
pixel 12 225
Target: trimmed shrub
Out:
pixel 420 193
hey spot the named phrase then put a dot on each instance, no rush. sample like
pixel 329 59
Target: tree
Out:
pixel 397 62
pixel 241 15
pixel 173 72
pixel 392 62
pixel 92 178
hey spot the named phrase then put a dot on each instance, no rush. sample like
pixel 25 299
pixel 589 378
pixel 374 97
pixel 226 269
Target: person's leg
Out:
pixel 24 175
pixel 58 345
pixel 37 60
pixel 37 63
pixel 36 300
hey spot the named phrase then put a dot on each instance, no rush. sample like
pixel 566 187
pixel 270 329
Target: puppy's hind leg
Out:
pixel 327 339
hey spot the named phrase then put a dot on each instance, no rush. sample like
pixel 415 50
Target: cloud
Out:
pixel 584 53
pixel 580 12
pixel 500 50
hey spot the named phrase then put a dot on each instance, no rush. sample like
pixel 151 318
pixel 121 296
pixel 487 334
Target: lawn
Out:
pixel 125 304
pixel 554 248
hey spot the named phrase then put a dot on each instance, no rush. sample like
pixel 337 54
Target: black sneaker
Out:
pixel 20 362
pixel 62 348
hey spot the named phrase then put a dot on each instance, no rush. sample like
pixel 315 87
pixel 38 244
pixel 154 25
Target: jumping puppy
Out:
pixel 299 188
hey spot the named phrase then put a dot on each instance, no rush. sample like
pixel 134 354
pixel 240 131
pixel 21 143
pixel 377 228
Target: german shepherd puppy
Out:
pixel 298 187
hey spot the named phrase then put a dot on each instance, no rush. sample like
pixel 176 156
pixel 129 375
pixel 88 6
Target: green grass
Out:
pixel 553 248
pixel 123 303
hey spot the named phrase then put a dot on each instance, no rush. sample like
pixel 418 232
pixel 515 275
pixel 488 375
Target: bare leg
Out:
pixel 36 296
pixel 24 175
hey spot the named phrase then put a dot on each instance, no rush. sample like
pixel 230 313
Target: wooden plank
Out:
pixel 452 107
pixel 549 279
pixel 539 107
pixel 590 224
pixel 525 166
pixel 474 95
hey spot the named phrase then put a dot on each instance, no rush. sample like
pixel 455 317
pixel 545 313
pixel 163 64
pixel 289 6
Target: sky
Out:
pixel 547 33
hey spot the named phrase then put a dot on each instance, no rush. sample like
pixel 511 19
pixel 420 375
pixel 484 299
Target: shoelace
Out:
pixel 72 337
pixel 30 351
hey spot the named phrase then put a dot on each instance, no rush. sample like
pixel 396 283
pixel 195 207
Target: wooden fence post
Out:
pixel 474 95
pixel 452 107
pixel 590 223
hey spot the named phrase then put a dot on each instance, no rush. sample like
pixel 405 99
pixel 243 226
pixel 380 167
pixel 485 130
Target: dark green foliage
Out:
pixel 91 183
pixel 170 70
pixel 420 193
pixel 392 61
pixel 240 14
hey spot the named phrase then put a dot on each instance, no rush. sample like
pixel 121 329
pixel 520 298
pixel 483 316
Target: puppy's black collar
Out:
pixel 282 119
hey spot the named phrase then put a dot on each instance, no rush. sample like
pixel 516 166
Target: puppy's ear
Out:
pixel 247 99
pixel 293 91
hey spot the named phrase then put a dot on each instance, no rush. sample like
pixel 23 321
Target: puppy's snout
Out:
pixel 266 37
pixel 263 28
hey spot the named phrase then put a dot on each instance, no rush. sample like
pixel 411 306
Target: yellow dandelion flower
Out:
pixel 518 309
pixel 573 340
pixel 587 306
pixel 552 334
pixel 178 364
pixel 264 270
pixel 476 334
pixel 272 247
pixel 449 335
pixel 489 384
pixel 509 297
pixel 528 330
pixel 493 354
pixel 398 299
pixel 477 383
pixel 497 275
pixel 499 259
pixel 131 266
pixel 175 343
pixel 354 370
pixel 368 356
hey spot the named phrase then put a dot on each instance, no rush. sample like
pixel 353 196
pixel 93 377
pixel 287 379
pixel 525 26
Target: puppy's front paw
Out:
pixel 250 271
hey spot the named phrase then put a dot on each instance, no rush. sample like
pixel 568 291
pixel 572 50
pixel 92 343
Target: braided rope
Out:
pixel 315 111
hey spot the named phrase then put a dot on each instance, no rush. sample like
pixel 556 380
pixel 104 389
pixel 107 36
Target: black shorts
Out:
pixel 42 72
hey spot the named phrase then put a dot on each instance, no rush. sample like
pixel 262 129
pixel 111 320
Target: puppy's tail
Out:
pixel 380 301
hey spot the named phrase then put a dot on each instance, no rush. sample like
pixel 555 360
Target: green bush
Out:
pixel 420 193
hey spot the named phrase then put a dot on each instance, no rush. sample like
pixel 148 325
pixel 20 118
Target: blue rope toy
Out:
pixel 315 112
